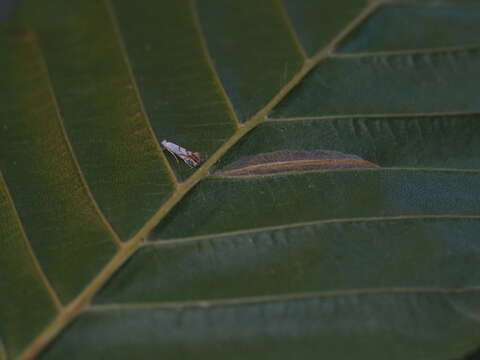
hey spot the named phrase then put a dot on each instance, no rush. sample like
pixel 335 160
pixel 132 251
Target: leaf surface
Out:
pixel 113 249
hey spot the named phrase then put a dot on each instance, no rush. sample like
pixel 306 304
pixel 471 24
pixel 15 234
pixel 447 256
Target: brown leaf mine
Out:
pixel 294 160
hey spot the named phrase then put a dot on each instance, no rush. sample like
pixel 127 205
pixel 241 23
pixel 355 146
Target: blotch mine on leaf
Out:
pixel 294 160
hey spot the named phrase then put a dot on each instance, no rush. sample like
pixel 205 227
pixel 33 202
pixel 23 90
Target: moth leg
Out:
pixel 174 155
pixel 187 161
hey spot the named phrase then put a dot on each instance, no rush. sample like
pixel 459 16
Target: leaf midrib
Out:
pixel 128 248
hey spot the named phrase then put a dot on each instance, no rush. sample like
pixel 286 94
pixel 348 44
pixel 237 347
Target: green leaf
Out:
pixel 111 249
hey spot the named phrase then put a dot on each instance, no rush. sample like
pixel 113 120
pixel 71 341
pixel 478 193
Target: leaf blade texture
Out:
pixel 112 249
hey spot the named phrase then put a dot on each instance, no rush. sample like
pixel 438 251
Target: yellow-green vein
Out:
pixel 372 219
pixel 209 303
pixel 36 264
pixel 290 28
pixel 71 152
pixel 126 251
pixel 211 65
pixel 121 44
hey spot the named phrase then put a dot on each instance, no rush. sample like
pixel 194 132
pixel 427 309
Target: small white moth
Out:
pixel 192 159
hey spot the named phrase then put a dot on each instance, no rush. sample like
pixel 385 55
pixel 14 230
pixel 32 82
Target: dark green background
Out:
pixel 335 264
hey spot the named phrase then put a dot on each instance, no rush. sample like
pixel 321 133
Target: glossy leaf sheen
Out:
pixel 382 325
pixel 383 84
pixel 404 141
pixel 416 26
pixel 225 204
pixel 256 28
pixel 42 177
pixel 309 257
pixel 78 47
pixel 314 23
pixel 111 249
pixel 193 103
